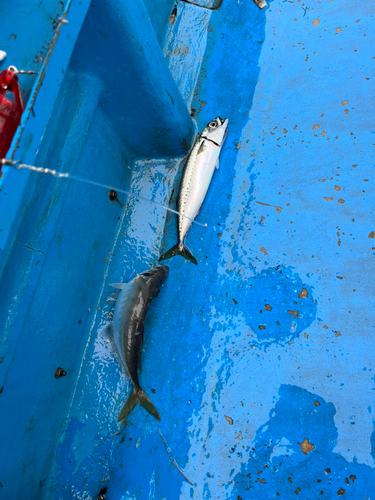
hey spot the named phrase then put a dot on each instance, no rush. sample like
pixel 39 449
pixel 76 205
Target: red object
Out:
pixel 10 111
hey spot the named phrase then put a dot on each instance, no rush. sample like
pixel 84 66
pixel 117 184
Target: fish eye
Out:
pixel 212 124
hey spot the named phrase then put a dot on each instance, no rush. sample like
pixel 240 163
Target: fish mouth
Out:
pixel 223 120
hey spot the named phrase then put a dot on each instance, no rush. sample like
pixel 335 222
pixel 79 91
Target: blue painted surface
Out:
pixel 268 341
pixel 17 187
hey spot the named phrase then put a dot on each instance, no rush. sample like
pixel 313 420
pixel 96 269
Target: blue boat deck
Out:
pixel 259 360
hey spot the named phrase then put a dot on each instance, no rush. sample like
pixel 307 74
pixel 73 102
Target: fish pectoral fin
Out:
pixel 202 148
pixel 120 286
pixel 110 336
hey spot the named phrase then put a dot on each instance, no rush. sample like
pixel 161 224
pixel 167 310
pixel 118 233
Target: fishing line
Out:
pixel 65 175
pixel 170 456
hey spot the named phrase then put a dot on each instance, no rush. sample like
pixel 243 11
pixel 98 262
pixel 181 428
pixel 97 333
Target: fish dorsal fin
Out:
pixel 118 285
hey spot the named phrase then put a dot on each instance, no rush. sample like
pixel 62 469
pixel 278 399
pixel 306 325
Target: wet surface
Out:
pixel 255 357
pixel 276 460
pixel 259 359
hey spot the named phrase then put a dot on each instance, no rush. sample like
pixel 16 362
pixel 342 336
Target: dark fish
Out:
pixel 128 320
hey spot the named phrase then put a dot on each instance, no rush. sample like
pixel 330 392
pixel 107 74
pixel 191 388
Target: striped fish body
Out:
pixel 200 167
pixel 195 182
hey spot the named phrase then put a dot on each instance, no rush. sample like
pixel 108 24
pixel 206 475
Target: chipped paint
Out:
pixel 259 361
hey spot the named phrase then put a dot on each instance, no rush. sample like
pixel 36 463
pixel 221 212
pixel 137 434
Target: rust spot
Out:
pixel 238 145
pixel 347 480
pixel 341 492
pixel 172 19
pixel 290 479
pixel 297 491
pixel 328 198
pixel 59 372
pixel 317 403
pixel 263 250
pixel 267 307
pixel 262 327
pixel 306 447
pixel 339 242
pixel 325 327
pixel 323 134
pixel 344 103
pixel 220 234
pixel 354 166
pixel 229 420
pixel 295 127
pixel 337 188
pixel 353 477
pixel 278 209
pixel 316 22
pixel 327 471
pixel 263 481
pixel 315 127
pixel 346 111
pixel 285 131
pixel 339 277
pixel 235 301
pixel 185 145
pixel 338 334
pixel 304 294
pixel 112 195
pixel 338 30
pixel 305 335
pixel 295 313
pixel 371 235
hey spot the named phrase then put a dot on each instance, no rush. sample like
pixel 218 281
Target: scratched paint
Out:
pixel 259 359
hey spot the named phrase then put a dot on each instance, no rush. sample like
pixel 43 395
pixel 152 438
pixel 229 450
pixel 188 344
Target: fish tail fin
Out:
pixel 179 249
pixel 147 404
pixel 138 397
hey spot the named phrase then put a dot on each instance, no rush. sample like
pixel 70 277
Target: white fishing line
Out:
pixel 65 175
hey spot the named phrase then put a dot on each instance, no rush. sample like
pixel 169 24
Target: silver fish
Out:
pixel 196 179
pixel 127 332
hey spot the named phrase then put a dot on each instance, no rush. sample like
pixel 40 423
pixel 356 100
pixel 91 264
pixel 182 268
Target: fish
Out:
pixel 126 332
pixel 198 172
